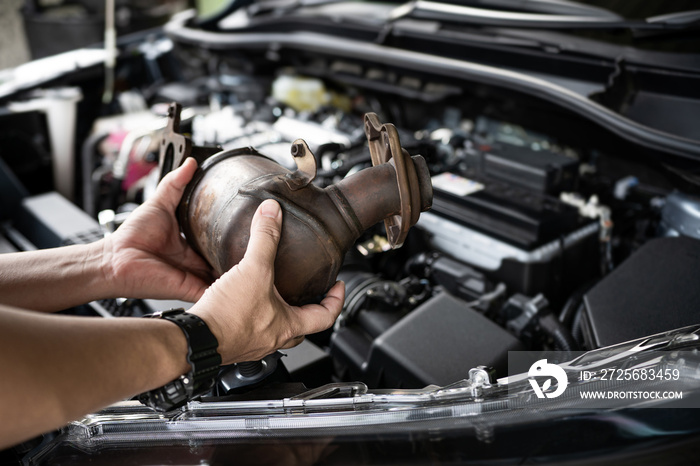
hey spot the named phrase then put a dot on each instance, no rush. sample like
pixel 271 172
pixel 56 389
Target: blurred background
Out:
pixel 31 29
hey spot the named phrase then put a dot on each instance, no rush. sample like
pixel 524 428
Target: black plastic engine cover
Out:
pixel 655 290
pixel 437 343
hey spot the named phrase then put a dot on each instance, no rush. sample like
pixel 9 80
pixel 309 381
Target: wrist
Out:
pixel 110 280
pixel 170 352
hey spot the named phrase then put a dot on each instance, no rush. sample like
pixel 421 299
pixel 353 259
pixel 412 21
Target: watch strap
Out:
pixel 202 356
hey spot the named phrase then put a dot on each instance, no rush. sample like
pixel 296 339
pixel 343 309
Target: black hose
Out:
pixel 420 264
pixel 576 328
pixel 572 304
pixel 563 340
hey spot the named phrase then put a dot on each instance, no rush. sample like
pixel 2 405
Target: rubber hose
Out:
pixel 568 312
pixel 576 328
pixel 563 340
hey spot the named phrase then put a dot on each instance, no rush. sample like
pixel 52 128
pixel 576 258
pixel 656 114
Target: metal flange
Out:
pixel 385 147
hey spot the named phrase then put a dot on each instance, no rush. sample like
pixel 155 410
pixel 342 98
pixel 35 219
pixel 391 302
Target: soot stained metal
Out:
pixel 319 224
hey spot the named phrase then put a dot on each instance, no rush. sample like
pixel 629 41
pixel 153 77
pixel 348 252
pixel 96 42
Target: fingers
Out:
pixel 172 186
pixel 314 318
pixel 192 289
pixel 265 231
pixel 335 298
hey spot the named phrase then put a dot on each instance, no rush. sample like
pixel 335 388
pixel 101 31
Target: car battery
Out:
pixel 531 241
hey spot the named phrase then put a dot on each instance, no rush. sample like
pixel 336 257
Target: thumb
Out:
pixel 171 187
pixel 265 232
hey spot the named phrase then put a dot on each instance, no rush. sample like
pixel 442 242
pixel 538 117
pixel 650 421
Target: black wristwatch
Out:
pixel 201 355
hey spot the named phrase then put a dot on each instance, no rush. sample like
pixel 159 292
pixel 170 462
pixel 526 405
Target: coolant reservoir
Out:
pixel 319 224
pixel 302 94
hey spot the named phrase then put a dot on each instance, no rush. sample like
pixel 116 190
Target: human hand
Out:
pixel 147 257
pixel 245 312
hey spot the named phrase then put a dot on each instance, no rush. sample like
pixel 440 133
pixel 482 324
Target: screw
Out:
pixel 297 150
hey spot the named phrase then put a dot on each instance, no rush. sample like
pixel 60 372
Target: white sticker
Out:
pixel 456 184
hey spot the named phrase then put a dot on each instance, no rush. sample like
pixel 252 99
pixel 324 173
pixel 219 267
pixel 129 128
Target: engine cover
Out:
pixel 437 343
pixel 653 291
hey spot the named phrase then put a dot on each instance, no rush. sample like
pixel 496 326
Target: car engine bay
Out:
pixel 549 230
pixel 527 229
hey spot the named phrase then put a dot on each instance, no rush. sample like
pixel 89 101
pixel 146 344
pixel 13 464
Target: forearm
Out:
pixel 58 368
pixel 53 279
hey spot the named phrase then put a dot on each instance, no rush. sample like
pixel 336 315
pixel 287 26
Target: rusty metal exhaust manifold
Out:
pixel 319 226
